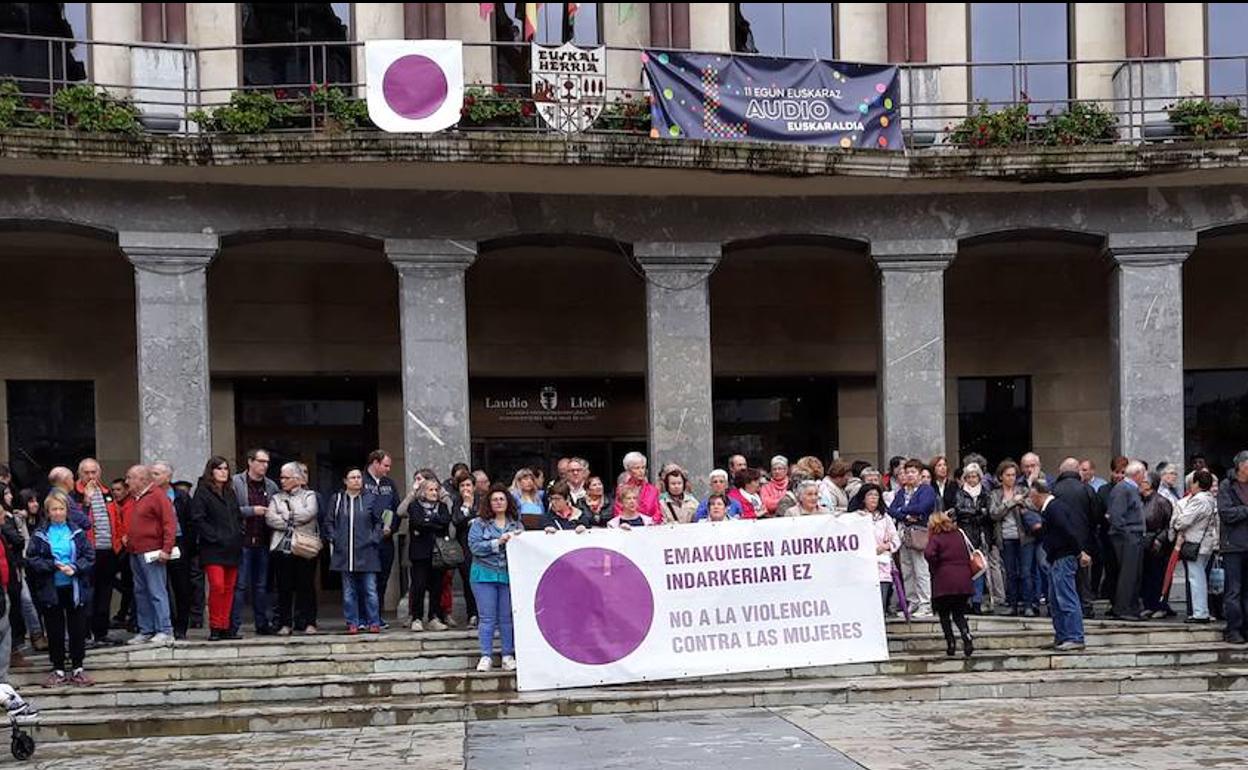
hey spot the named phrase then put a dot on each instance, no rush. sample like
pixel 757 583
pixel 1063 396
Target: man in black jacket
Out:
pixel 1080 498
pixel 1064 536
pixel 1233 515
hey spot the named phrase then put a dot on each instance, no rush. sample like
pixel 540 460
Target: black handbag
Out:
pixel 447 552
pixel 1190 551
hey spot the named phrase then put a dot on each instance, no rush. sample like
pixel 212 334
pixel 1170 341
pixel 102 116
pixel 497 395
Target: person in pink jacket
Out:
pixel 887 541
pixel 647 493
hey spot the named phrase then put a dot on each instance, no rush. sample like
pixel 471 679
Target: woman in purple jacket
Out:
pixel 949 560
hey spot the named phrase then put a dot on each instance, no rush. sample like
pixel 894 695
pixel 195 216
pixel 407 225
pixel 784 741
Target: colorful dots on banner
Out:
pixel 668 93
pixel 645 57
pixel 863 108
pixel 654 133
pixel 673 130
pixel 663 59
pixel 846 143
pixel 884 121
pixel 888 103
pixel 883 141
pixel 880 88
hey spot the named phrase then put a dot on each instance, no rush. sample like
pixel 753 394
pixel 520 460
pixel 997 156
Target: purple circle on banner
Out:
pixel 414 86
pixel 594 606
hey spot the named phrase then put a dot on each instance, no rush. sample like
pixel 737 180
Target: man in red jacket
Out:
pixel 150 532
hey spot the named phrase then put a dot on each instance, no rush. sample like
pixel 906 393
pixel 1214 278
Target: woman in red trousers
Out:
pixel 219 528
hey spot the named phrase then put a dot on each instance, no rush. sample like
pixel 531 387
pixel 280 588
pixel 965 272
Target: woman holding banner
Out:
pixel 628 498
pixel 497 524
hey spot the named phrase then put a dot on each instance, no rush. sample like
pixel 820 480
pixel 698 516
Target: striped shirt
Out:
pixel 99 519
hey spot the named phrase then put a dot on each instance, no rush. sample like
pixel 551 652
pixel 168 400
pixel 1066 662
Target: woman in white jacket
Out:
pixel 1195 519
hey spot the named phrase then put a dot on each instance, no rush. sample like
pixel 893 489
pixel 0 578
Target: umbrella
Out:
pixel 1174 562
pixel 901 592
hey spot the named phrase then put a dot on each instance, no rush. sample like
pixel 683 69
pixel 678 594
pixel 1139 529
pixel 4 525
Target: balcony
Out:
pixel 171 107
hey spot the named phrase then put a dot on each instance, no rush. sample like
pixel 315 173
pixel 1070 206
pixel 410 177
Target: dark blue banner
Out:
pixel 720 96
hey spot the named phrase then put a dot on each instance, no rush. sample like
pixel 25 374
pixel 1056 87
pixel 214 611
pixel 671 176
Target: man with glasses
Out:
pixel 718 483
pixel 576 475
pixel 254 489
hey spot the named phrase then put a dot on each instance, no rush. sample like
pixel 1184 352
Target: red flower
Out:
pixel 499 88
pixel 36 104
pixel 526 109
pixel 470 100
pixel 281 93
pixel 312 88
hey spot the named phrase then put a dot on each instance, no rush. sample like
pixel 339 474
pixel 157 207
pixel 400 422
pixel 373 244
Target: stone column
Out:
pixel 678 354
pixel 434 327
pixel 171 310
pixel 911 381
pixel 1146 337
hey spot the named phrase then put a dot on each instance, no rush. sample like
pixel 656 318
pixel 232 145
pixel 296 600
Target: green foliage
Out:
pixel 1081 123
pixel 17 111
pixel 983 128
pixel 627 113
pixel 79 107
pixel 1207 120
pixel 495 107
pixel 248 112
pixel 336 109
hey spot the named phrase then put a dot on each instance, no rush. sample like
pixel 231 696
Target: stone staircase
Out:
pixel 326 681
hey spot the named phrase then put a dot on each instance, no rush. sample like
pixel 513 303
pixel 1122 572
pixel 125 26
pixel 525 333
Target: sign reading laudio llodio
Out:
pixel 688 600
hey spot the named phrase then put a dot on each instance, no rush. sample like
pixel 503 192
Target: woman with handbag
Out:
pixel 218 524
pixel 1195 527
pixel 295 549
pixel 949 561
pixel 429 522
pixel 971 514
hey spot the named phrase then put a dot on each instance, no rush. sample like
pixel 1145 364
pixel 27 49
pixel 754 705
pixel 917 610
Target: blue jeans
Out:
pixel 494 611
pixel 357 586
pixel 1020 567
pixel 1065 609
pixel 253 584
pixel 977 597
pixel 1042 572
pixel 151 598
pixel 1198 586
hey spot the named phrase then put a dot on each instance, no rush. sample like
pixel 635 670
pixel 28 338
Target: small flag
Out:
pixel 414 86
pixel 624 11
pixel 530 20
pixel 572 9
pixel 485 9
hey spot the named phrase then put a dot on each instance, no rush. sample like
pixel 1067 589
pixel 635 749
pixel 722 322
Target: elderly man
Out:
pixel 150 537
pixel 911 507
pixel 254 489
pixel 179 569
pixel 1126 534
pixel 736 464
pixel 1065 534
pixel 91 494
pixel 1077 495
pixel 1087 473
pixel 1233 521
pixel 717 481
pixel 578 474
pixel 61 479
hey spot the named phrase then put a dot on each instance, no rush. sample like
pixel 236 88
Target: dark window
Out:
pixel 296 65
pixel 40 66
pixel 1228 36
pixel 800 30
pixel 1021 32
pixel 51 422
pixel 760 418
pixel 554 27
pixel 994 417
pixel 1215 414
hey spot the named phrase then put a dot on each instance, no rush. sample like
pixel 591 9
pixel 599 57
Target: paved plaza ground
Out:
pixel 1167 732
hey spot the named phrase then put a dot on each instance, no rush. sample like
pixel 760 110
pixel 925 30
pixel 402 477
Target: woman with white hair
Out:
pixel 807 500
pixel 971 515
pixel 292 516
pixel 647 493
pixel 777 484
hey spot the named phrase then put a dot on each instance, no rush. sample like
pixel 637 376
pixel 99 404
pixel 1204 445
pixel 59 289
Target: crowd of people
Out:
pixel 949 541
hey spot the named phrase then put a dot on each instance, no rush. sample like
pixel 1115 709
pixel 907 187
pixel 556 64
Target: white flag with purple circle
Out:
pixel 414 86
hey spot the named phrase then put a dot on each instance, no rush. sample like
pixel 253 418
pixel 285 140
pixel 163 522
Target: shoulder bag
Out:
pixel 447 552
pixel 979 564
pixel 915 537
pixel 300 544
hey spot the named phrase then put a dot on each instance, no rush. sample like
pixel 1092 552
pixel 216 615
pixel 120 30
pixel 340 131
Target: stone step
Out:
pixel 999 633
pixel 91 723
pixel 359 680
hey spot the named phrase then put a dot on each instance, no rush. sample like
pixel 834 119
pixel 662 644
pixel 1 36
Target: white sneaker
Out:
pixel 416 626
pixel 485 663
pixel 450 622
pixel 436 625
pixel 138 639
pixel 162 639
pixel 509 663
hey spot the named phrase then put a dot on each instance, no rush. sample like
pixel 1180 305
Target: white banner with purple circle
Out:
pixel 414 86
pixel 687 600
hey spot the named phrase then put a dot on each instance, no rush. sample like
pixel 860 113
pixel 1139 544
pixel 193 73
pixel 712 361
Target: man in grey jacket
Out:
pixel 1126 533
pixel 1233 512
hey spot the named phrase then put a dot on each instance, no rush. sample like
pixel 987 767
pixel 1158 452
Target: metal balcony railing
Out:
pixel 311 86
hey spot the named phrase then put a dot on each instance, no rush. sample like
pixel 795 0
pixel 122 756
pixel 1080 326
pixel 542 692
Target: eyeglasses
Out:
pixel 262 462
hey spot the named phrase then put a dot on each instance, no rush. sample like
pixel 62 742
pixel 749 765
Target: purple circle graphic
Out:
pixel 414 86
pixel 594 606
